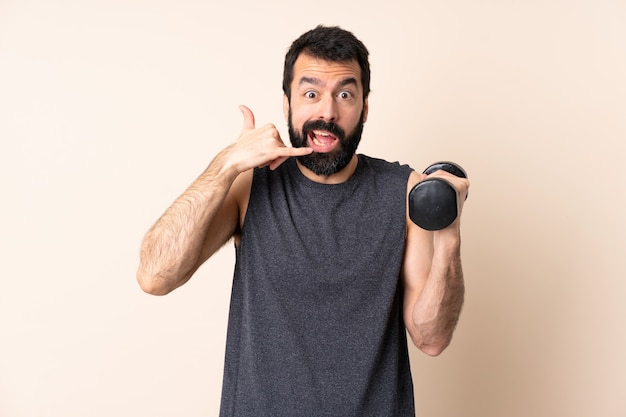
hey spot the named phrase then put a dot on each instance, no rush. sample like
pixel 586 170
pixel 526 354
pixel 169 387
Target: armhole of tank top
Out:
pixel 245 203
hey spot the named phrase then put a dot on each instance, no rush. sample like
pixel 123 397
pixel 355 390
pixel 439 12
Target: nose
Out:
pixel 328 109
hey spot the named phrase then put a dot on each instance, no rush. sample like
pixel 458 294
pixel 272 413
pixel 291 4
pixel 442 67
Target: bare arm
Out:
pixel 433 279
pixel 178 243
pixel 210 211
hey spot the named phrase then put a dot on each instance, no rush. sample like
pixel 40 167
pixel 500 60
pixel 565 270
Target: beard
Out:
pixel 329 163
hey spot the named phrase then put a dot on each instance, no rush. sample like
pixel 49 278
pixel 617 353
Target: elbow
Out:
pixel 431 346
pixel 433 349
pixel 152 284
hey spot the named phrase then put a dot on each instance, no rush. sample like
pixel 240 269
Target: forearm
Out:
pixel 171 250
pixel 437 310
pixel 207 214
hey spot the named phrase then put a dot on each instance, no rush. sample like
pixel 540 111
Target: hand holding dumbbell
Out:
pixel 433 202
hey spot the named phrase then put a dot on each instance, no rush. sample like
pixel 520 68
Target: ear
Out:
pixel 366 108
pixel 286 107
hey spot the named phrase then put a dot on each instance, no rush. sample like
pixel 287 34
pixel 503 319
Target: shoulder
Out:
pixel 382 163
pixel 383 167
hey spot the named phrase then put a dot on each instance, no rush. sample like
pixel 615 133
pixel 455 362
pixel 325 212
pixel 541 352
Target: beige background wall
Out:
pixel 110 108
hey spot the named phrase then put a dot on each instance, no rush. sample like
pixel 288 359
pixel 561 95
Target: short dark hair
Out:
pixel 330 43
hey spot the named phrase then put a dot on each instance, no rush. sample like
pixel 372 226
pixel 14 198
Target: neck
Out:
pixel 336 178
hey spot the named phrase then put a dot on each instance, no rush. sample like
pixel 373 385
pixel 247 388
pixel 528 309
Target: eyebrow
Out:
pixel 317 81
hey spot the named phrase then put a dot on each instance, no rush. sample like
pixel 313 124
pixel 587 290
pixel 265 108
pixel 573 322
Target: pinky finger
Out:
pixel 278 162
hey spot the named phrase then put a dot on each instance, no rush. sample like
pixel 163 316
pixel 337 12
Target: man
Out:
pixel 330 272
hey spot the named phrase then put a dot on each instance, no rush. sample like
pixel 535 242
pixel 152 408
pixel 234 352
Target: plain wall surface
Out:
pixel 109 109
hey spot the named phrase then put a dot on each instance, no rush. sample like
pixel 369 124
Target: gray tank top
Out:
pixel 315 325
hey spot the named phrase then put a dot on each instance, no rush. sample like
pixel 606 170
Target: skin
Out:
pixel 329 92
pixel 211 211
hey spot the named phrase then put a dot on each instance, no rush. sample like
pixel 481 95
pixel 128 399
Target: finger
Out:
pixel 291 152
pixel 248 117
pixel 278 162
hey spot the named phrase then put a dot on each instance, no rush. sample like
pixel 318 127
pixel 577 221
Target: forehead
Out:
pixel 327 71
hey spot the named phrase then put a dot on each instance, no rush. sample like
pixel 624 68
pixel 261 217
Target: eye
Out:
pixel 345 95
pixel 310 94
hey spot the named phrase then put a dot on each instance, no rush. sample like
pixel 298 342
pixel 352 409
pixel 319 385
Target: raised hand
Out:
pixel 259 147
pixel 437 200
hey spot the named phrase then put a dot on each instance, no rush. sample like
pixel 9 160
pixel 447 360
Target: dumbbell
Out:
pixel 433 203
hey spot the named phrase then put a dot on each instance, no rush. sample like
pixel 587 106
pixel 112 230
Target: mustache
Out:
pixel 323 125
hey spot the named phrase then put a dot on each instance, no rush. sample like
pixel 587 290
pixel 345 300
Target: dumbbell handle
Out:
pixel 433 203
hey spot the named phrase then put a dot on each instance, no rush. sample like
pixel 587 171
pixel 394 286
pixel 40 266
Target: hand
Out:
pixel 260 147
pixel 461 185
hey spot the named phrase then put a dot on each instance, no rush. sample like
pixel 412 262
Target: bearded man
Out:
pixel 330 272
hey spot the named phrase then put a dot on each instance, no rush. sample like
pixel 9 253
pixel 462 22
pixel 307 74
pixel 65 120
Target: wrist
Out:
pixel 224 166
pixel 448 238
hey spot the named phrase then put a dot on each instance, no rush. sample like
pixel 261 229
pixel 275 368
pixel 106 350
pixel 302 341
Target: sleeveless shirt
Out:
pixel 315 325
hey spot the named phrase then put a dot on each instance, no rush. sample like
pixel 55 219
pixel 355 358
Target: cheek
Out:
pixel 298 118
pixel 352 120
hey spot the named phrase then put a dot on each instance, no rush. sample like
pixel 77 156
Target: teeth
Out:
pixel 320 134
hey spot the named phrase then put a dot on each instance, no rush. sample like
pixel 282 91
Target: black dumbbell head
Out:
pixel 433 204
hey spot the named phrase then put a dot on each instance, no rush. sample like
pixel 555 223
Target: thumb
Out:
pixel 248 117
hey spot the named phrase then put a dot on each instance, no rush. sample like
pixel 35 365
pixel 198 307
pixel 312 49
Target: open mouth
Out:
pixel 322 141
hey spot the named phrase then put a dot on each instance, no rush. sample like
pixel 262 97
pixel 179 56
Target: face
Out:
pixel 327 112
